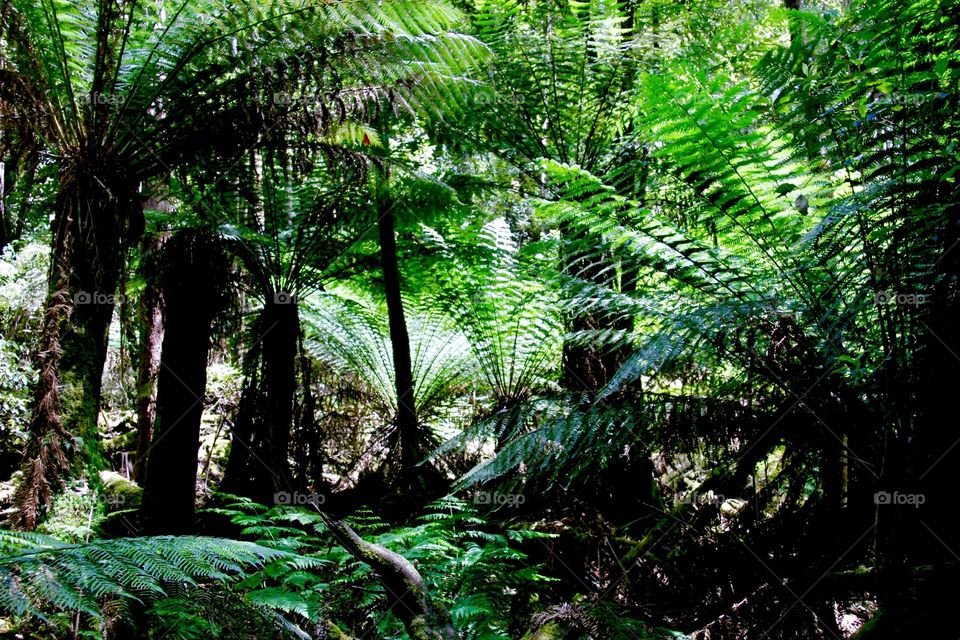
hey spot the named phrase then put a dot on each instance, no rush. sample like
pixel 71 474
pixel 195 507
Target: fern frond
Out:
pixel 40 574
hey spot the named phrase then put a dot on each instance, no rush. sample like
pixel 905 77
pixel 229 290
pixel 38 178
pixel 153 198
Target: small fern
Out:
pixel 40 574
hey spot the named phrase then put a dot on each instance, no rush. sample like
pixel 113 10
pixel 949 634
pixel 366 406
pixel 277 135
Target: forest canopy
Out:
pixel 479 319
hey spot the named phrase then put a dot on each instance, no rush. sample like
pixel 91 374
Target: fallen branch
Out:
pixel 413 605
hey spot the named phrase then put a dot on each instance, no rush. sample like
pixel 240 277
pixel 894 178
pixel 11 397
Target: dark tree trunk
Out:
pixel 307 446
pixel 194 270
pixel 259 466
pixel 151 338
pixel 239 474
pixel 408 443
pixel 282 329
pixel 935 451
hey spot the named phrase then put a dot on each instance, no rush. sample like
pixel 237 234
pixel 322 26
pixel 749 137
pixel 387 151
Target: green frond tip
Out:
pixel 40 574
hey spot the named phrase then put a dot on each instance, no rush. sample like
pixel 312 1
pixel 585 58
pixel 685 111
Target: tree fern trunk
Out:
pixel 587 368
pixel 281 330
pixel 934 453
pixel 258 465
pixel 407 430
pixel 63 430
pixel 85 264
pixel 239 473
pixel 84 354
pixel 307 450
pixel 193 275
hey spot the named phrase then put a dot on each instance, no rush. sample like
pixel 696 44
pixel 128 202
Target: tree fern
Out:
pixel 353 337
pixel 730 277
pixel 511 323
pixel 120 96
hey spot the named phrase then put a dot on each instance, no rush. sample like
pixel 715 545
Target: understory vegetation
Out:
pixel 479 320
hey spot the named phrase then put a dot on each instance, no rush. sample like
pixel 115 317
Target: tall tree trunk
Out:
pixel 86 258
pixel 151 338
pixel 194 269
pixel 409 444
pixel 929 532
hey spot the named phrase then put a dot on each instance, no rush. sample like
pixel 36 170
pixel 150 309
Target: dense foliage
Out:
pixel 502 320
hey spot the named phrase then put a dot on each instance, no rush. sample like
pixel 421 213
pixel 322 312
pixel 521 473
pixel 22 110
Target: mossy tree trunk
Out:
pixel 151 340
pixel 91 209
